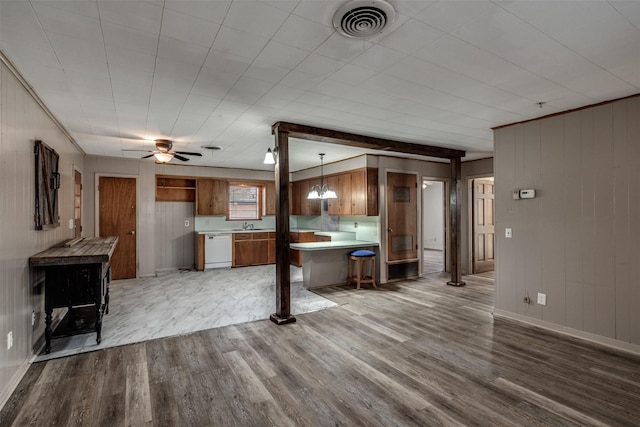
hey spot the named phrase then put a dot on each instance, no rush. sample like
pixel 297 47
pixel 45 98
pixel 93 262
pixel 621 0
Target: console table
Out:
pixel 77 273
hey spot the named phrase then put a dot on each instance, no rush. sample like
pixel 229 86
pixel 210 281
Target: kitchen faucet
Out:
pixel 247 226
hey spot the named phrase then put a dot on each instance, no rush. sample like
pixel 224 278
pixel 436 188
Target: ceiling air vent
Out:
pixel 363 18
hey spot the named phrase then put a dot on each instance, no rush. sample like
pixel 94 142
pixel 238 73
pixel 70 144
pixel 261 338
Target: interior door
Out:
pixel 77 204
pixel 117 200
pixel 402 216
pixel 483 225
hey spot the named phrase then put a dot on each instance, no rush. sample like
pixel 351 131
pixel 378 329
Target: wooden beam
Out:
pixel 455 191
pixel 283 275
pixel 361 141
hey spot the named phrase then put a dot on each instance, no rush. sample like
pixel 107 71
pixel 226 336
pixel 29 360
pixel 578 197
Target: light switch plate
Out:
pixel 507 233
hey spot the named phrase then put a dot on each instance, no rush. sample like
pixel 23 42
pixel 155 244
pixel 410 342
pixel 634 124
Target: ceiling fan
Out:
pixel 163 152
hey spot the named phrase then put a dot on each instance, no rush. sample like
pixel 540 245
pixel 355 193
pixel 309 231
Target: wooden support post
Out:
pixel 283 275
pixel 455 216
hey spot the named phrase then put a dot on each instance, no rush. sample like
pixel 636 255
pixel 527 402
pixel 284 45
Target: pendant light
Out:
pixel 270 157
pixel 322 191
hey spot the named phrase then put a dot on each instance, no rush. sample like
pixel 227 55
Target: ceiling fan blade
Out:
pixel 179 157
pixel 189 153
pixel 146 157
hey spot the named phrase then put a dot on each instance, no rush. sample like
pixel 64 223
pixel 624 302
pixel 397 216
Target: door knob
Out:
pixel 132 232
pixel 390 230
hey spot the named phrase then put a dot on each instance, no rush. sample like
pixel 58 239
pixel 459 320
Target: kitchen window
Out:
pixel 245 201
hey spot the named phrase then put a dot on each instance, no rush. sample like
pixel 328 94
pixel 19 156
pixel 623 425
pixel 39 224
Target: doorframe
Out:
pixel 470 179
pixel 74 170
pixel 384 243
pixel 96 209
pixel 446 222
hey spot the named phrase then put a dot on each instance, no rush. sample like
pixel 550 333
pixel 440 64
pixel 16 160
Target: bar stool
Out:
pixel 361 257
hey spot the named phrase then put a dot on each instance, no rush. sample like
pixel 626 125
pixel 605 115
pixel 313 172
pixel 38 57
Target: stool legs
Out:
pixel 360 276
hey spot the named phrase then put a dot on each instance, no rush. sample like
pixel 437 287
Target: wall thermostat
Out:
pixel 527 194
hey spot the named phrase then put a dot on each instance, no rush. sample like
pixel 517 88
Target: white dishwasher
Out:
pixel 217 251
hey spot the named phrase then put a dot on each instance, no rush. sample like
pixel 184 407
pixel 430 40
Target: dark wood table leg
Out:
pixel 47 330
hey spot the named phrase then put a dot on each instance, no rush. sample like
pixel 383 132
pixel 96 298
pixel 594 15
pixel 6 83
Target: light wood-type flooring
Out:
pixel 410 353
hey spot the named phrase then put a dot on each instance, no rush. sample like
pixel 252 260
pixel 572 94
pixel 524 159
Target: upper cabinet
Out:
pixel 175 189
pixel 357 192
pixel 300 205
pixel 270 198
pixel 212 196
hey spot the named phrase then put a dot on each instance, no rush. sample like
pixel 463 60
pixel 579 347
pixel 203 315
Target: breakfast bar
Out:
pixel 326 263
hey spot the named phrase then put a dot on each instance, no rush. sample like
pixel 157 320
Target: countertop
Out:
pixel 340 244
pixel 255 230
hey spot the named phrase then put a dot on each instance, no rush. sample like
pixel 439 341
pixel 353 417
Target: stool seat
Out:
pixel 362 257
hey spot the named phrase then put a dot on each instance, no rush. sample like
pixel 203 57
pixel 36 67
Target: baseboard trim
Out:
pixel 587 336
pixel 13 383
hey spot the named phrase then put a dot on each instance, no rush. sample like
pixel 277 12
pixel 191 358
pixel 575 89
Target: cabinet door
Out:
pixel 358 193
pixel 310 207
pixel 333 205
pixel 251 252
pixel 204 196
pixel 272 251
pixel 270 198
pixel 341 184
pixel 296 198
pixel 212 196
pixel 220 197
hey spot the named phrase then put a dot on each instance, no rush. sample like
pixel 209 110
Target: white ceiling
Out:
pixel 222 72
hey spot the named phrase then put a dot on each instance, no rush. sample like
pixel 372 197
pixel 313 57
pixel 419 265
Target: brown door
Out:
pixel 402 216
pixel 77 204
pixel 118 218
pixel 483 225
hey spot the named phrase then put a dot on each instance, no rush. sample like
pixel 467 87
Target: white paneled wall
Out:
pixel 174 241
pixel 22 121
pixel 577 241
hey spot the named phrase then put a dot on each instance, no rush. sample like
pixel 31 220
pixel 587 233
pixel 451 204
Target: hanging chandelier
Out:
pixel 322 191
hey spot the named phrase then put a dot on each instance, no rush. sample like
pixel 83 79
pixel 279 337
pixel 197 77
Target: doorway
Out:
pixel 117 212
pixel 483 228
pixel 433 227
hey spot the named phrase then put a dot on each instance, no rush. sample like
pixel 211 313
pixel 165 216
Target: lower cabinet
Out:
pixel 299 237
pixel 253 248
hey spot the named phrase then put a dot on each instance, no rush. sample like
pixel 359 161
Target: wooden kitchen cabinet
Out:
pixel 212 196
pixel 341 184
pixel 300 205
pixel 299 237
pixel 252 248
pixel 175 189
pixel 270 198
pixel 199 261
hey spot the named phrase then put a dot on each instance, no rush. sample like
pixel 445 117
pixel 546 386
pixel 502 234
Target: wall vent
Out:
pixel 363 18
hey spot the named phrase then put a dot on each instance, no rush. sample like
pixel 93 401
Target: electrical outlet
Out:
pixel 508 233
pixel 9 340
pixel 542 299
pixel 355 225
pixel 186 222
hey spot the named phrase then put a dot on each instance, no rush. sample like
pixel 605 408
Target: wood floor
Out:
pixel 410 353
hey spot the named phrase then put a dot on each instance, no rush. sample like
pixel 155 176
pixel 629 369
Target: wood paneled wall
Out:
pixel 174 242
pixel 22 121
pixel 577 241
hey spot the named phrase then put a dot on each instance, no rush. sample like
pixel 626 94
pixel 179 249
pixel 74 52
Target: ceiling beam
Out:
pixel 366 142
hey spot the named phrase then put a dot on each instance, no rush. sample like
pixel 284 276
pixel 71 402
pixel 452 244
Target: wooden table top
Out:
pixel 88 251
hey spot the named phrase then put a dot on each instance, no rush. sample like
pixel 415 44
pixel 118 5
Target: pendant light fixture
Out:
pixel 270 156
pixel 322 191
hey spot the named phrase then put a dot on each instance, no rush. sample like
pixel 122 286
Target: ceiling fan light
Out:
pixel 163 157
